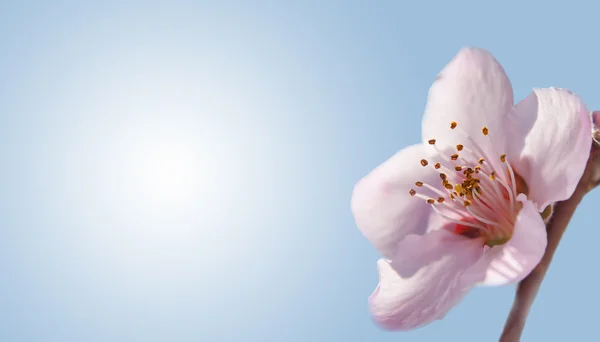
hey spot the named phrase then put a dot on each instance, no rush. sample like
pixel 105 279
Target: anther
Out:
pixel 467 203
pixel 503 158
pixel 448 186
pixel 480 161
pixel 485 130
pixel 459 147
pixel 437 165
pixel 430 201
pixel 492 175
pixel 477 168
pixel 453 125
pixel 458 168
pixel 440 199
pixel 412 192
pixel 454 156
pixel 443 176
pixel 431 142
pixel 419 184
pixel 424 162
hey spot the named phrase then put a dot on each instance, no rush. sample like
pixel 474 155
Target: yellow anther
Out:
pixel 503 158
pixel 480 161
pixel 477 168
pixel 467 203
pixel 492 176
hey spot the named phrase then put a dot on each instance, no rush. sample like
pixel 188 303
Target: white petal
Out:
pixel 423 282
pixel 383 209
pixel 550 143
pixel 513 261
pixel 474 91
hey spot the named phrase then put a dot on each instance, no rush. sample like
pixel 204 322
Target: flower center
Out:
pixel 477 193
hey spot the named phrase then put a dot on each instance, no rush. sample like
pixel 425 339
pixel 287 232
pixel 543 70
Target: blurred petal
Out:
pixel 550 143
pixel 511 262
pixel 382 206
pixel 423 282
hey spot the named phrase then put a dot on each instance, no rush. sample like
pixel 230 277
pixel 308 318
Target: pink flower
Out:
pixel 464 208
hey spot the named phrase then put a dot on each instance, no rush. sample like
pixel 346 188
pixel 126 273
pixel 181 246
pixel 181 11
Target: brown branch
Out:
pixel 563 211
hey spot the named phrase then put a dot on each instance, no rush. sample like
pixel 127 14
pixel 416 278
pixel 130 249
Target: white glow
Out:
pixel 165 171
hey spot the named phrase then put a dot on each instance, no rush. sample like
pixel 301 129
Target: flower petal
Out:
pixel 511 262
pixel 474 91
pixel 383 209
pixel 423 282
pixel 550 143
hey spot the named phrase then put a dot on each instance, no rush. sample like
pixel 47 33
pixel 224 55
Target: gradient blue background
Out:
pixel 287 105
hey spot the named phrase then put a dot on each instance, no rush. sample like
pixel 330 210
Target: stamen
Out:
pixel 498 198
pixel 513 183
pixel 474 191
pixel 479 218
pixel 434 189
pixel 468 224
pixel 486 210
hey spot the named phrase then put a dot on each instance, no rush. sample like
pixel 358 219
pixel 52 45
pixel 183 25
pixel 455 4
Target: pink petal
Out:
pixel 550 143
pixel 423 282
pixel 511 262
pixel 474 91
pixel 382 206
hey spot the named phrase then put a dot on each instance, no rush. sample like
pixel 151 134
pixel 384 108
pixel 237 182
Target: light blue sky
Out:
pixel 269 112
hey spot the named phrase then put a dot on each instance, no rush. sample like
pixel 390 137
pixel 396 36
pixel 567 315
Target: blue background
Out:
pixel 286 105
